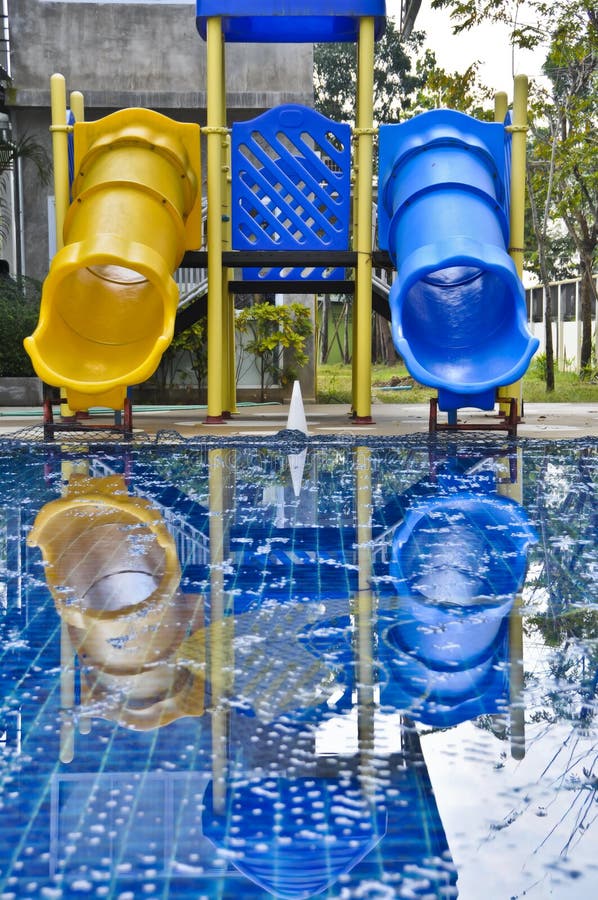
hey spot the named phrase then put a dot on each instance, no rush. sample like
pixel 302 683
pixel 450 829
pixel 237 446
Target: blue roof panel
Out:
pixel 291 21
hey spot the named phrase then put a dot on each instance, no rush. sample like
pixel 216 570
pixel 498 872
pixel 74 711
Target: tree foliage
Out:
pixel 26 148
pixel 19 308
pixel 395 79
pixel 524 30
pixel 563 158
pixel 563 172
pixel 271 329
pixel 407 81
pixel 193 343
pixel 570 140
pixel 462 91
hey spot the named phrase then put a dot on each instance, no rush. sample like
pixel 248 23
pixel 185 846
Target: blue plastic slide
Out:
pixel 457 305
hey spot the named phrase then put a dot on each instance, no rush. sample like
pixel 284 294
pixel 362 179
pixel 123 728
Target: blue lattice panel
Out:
pixel 291 184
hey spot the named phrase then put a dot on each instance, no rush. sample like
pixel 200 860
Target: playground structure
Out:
pixel 278 206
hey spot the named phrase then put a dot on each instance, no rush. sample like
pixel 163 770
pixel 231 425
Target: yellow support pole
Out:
pixel 67 653
pixel 60 155
pixel 516 680
pixel 507 487
pixel 214 131
pixel 518 154
pixel 77 105
pixel 228 324
pixel 362 307
pixel 354 238
pixel 501 105
pixel 67 695
pixel 518 130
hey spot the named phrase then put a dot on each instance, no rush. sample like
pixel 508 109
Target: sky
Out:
pixel 488 44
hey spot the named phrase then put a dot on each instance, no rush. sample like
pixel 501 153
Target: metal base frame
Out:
pixel 506 422
pixel 123 422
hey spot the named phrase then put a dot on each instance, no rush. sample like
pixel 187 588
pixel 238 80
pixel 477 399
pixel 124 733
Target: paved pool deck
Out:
pixel 557 421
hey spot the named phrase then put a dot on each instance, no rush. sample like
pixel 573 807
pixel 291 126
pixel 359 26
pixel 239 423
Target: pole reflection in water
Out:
pixel 220 631
pixel 288 822
pixel 364 612
pixel 233 676
pixel 510 484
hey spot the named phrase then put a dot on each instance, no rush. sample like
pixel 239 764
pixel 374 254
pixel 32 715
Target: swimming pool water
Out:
pixel 302 669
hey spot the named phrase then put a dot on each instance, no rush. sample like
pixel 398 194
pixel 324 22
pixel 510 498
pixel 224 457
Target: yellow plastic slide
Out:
pixel 109 300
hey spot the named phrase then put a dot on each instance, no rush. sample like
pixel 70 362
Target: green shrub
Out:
pixel 590 372
pixel 271 329
pixel 19 311
pixel 193 341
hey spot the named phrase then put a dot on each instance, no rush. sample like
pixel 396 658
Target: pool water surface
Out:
pixel 299 667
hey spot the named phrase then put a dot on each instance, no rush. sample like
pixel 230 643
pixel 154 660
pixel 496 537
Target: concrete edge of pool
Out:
pixel 556 421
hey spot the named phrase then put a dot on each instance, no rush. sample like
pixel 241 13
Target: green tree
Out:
pixel 19 308
pixel 28 149
pixel 193 342
pixel 396 83
pixel 572 110
pixel 540 184
pixel 515 14
pixel 462 91
pixel 563 176
pixel 395 79
pixel 271 329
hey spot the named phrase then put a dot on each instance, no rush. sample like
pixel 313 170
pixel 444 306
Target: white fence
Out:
pixel 566 314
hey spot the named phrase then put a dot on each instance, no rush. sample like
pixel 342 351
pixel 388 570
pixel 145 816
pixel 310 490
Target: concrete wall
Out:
pixel 130 54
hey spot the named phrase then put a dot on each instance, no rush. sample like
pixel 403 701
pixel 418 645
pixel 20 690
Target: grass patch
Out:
pixel 334 386
pixel 568 388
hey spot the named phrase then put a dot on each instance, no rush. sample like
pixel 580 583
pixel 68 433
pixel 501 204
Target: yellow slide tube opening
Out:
pixel 109 301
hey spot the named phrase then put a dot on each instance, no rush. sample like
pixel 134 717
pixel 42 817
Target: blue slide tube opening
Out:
pixel 458 306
